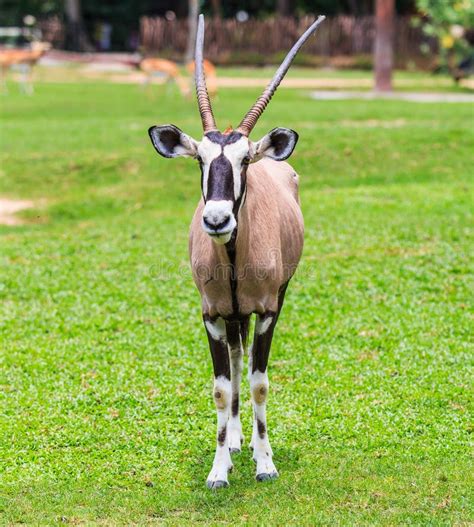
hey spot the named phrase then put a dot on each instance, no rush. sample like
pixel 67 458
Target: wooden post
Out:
pixel 383 54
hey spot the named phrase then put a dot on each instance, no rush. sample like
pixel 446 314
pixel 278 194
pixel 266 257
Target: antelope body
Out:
pixel 210 73
pixel 152 65
pixel 172 73
pixel 25 57
pixel 246 240
pixel 169 69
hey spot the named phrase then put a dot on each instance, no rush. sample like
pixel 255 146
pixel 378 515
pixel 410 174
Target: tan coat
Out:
pixel 268 245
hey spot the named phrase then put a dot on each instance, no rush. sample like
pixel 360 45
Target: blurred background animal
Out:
pixel 167 69
pixel 210 73
pixel 24 60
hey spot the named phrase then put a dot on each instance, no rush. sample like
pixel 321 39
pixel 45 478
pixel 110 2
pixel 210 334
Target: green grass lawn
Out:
pixel 106 415
pixel 417 81
pixel 348 79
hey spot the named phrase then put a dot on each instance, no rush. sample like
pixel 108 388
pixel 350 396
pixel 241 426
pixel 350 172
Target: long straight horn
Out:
pixel 250 120
pixel 204 103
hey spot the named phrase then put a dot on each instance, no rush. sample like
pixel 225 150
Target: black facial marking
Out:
pixel 224 139
pixel 201 168
pixel 243 185
pixel 220 182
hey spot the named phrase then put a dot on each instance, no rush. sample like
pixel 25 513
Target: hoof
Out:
pixel 214 485
pixel 264 476
pixel 235 450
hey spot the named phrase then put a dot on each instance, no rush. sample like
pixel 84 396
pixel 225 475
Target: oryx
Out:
pixel 245 243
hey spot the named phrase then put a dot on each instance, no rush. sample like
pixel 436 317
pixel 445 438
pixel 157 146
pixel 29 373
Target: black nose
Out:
pixel 217 223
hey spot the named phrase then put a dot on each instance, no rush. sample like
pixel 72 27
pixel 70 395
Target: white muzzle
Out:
pixel 218 220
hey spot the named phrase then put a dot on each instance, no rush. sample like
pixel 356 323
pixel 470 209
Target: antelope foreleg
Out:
pixel 222 393
pixel 258 379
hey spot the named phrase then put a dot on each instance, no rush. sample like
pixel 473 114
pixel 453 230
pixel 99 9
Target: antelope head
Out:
pixel 225 156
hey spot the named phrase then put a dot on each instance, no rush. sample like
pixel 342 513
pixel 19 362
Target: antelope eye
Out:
pixel 246 160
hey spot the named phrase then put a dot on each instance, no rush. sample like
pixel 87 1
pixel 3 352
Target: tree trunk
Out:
pixel 76 36
pixel 192 29
pixel 383 54
pixel 216 8
pixel 353 7
pixel 284 7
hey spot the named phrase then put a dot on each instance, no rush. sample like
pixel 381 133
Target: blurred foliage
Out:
pixel 451 22
pixel 124 15
pixel 129 11
pixel 328 7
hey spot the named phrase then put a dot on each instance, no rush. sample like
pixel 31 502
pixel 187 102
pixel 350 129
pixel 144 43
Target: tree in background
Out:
pixel 216 8
pixel 451 22
pixel 284 7
pixel 383 51
pixel 76 36
pixel 193 11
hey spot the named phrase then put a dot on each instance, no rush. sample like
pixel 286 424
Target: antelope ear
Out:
pixel 278 144
pixel 170 141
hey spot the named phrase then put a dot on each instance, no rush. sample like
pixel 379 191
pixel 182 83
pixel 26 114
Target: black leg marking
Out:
pixel 244 331
pixel 216 334
pixel 261 429
pixel 219 353
pixel 263 342
pixel 233 339
pixel 281 296
pixel 235 436
pixel 222 435
pixel 232 328
pixel 235 404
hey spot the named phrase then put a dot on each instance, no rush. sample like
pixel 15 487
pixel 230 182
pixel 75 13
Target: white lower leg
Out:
pixel 222 462
pixel 235 427
pixel 254 422
pixel 262 451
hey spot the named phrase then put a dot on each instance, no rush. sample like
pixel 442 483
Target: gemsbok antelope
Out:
pixel 245 243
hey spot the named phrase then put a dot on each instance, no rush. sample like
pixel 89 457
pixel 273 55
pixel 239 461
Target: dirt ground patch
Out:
pixel 422 97
pixel 8 209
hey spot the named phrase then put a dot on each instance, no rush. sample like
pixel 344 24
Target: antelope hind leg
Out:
pixel 235 338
